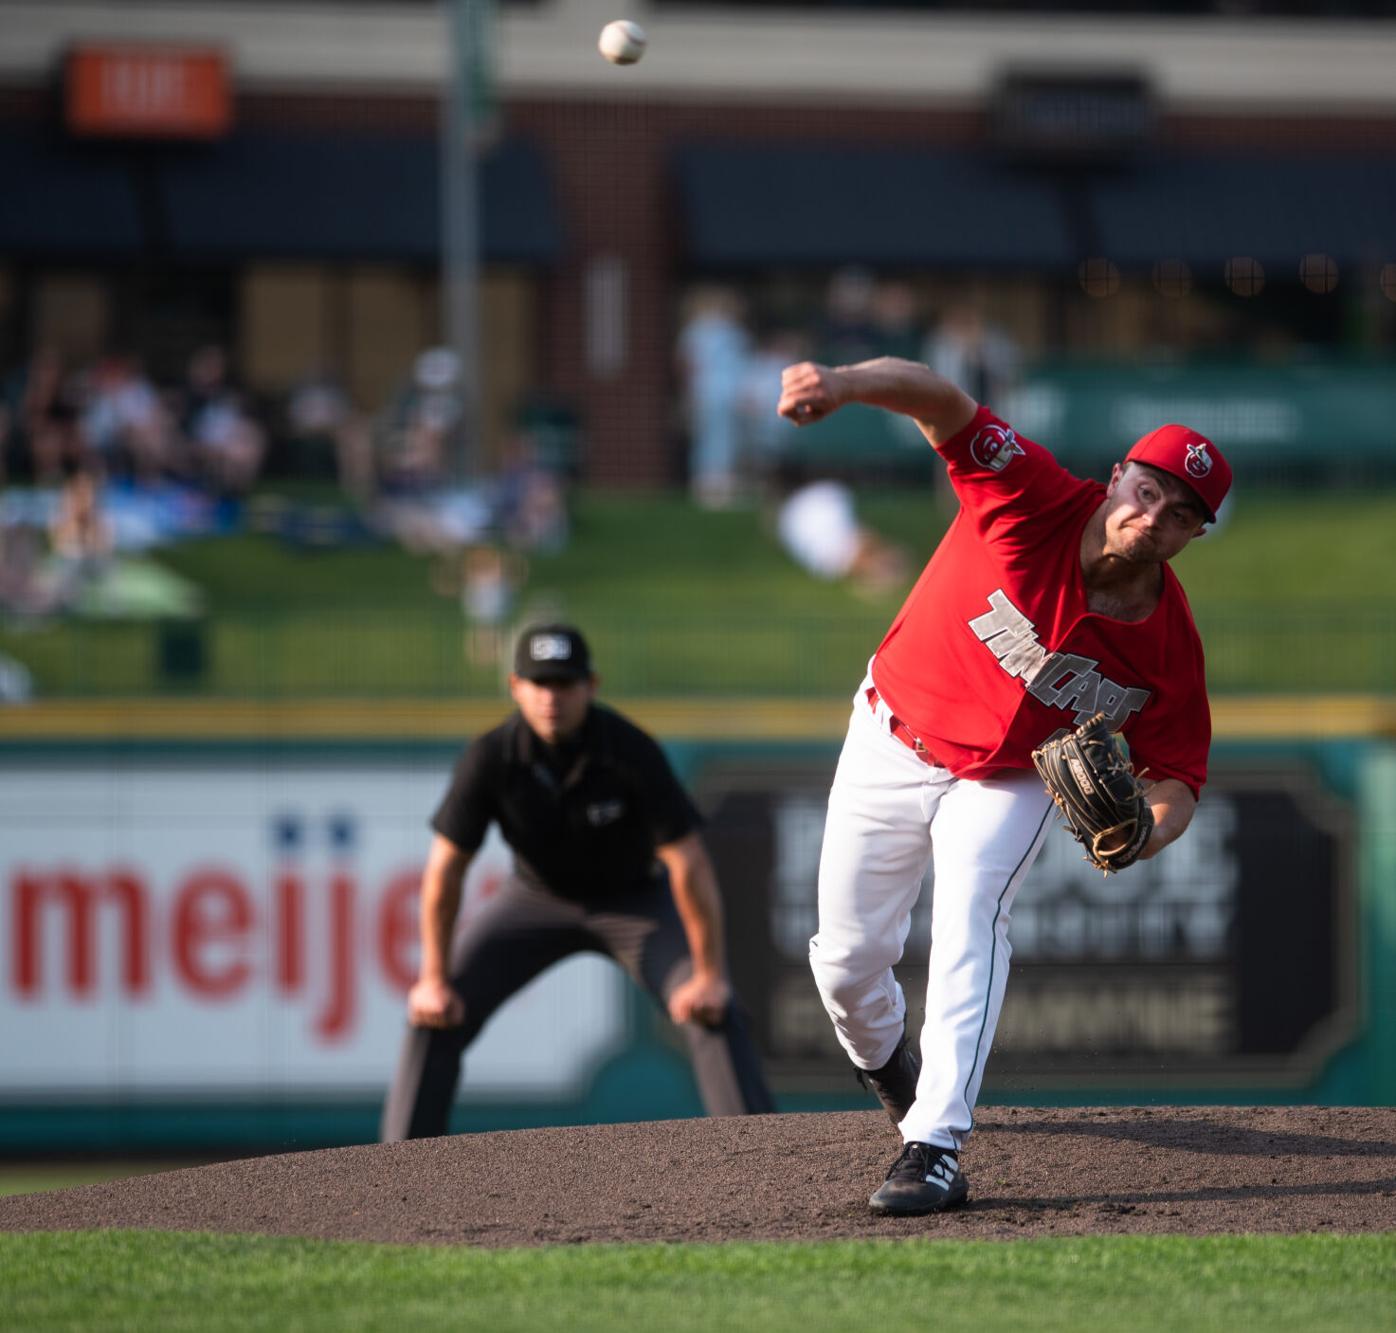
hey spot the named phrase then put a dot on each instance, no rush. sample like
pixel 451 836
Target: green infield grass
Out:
pixel 1292 593
pixel 152 1280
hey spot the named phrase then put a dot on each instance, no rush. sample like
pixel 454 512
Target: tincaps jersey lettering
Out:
pixel 1059 680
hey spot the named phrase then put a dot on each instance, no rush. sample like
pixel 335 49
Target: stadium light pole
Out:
pixel 466 119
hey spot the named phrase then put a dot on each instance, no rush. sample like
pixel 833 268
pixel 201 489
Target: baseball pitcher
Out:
pixel 1047 620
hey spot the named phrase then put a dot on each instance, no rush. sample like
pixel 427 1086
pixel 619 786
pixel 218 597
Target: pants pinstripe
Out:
pixel 521 932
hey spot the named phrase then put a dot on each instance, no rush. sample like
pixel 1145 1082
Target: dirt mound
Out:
pixel 1193 1170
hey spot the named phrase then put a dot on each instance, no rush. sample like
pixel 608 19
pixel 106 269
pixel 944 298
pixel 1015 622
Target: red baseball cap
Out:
pixel 1190 457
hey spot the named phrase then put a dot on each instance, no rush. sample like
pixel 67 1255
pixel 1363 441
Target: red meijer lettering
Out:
pixel 212 909
pixel 79 894
pixel 213 942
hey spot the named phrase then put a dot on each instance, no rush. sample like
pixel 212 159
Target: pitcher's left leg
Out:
pixel 985 837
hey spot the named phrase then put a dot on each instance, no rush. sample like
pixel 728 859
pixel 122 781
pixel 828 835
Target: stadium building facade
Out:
pixel 1039 157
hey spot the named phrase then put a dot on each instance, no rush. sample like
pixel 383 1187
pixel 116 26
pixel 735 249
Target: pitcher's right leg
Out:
pixel 875 852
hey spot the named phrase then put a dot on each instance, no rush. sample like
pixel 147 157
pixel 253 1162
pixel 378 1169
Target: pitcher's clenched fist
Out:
pixel 808 392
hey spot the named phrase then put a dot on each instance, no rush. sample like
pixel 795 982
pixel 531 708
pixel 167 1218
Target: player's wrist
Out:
pixel 844 382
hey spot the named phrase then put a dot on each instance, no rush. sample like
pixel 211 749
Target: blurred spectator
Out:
pixel 531 501
pixel 206 382
pixel 765 434
pixel 413 447
pixel 124 423
pixel 79 533
pixel 713 351
pixel 81 540
pixel 553 428
pixel 436 522
pixel 848 333
pixel 227 443
pixel 491 580
pixel 38 419
pixel 896 324
pixel 25 591
pixel 322 423
pixel 16 681
pixel 979 357
pixel 818 525
pixel 414 504
pixel 53 545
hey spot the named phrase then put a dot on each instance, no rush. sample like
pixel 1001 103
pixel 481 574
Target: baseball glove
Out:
pixel 1087 775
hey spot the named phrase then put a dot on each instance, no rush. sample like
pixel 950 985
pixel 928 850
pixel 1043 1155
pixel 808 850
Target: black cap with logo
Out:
pixel 552 652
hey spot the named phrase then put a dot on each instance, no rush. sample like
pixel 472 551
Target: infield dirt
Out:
pixel 1032 1172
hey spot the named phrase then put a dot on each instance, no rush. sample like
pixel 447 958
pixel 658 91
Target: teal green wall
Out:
pixel 650 1079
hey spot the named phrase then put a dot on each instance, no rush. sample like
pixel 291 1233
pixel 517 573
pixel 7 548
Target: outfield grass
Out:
pixel 149 1280
pixel 1292 594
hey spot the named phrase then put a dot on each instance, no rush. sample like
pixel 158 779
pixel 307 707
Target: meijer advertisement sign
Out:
pixel 202 927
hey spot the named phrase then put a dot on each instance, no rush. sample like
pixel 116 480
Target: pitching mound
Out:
pixel 1194 1170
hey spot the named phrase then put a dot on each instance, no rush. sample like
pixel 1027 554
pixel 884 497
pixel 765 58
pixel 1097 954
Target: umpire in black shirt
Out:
pixel 607 857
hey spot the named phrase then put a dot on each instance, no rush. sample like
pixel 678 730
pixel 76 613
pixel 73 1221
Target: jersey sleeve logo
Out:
pixel 1059 680
pixel 995 447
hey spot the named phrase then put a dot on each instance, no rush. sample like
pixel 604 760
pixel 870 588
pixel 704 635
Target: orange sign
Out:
pixel 151 91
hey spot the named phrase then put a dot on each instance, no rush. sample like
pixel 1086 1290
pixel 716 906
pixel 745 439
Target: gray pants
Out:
pixel 520 932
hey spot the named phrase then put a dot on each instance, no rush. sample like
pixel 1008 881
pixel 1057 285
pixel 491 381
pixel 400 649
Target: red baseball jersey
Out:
pixel 995 649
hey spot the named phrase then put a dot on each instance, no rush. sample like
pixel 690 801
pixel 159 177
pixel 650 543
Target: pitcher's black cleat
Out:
pixel 895 1082
pixel 924 1179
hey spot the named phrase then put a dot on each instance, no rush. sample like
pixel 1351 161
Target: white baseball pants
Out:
pixel 890 814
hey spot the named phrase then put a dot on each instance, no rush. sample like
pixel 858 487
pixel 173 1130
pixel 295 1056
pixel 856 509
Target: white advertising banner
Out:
pixel 246 927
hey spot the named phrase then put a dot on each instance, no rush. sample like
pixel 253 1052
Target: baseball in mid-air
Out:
pixel 622 42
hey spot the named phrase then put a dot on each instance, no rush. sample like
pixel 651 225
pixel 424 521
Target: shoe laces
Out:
pixel 917 1159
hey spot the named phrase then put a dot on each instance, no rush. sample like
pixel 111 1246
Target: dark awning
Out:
pixel 264 194
pixel 350 196
pixel 61 198
pixel 784 203
pixel 1210 207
